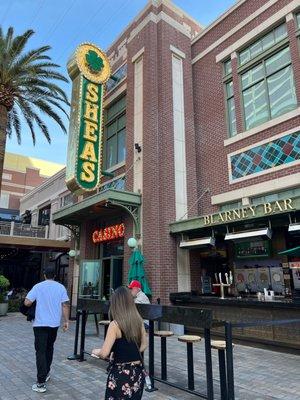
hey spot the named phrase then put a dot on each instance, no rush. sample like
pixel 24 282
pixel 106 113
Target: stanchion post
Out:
pixel 82 338
pixel 75 355
pixel 209 372
pixel 151 356
pixel 229 361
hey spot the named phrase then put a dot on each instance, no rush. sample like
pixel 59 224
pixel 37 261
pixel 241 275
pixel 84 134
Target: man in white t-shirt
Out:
pixel 52 302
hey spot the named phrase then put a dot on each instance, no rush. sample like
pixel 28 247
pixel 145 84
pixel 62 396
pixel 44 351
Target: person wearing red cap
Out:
pixel 137 293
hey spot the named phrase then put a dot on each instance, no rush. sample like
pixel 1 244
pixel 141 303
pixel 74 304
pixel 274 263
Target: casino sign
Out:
pixel 89 69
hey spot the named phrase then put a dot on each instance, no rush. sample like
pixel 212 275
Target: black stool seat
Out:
pixel 190 340
pixel 163 333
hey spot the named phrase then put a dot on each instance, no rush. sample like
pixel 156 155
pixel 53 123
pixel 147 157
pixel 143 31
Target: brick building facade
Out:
pixel 189 126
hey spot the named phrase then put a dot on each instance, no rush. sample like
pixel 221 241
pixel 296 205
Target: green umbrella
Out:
pixel 137 271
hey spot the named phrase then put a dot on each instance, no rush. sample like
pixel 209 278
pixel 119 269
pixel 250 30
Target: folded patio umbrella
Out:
pixel 137 271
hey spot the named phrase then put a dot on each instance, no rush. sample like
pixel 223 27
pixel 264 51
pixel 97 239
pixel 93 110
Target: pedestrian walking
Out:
pixel 125 341
pixel 51 303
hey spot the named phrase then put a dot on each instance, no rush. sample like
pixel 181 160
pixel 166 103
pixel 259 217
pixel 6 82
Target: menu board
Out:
pixel 206 285
pixel 255 249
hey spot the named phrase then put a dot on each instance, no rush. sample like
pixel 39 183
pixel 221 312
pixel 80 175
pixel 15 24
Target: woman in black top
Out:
pixel 125 341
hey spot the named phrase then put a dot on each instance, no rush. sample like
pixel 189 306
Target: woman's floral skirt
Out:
pixel 124 382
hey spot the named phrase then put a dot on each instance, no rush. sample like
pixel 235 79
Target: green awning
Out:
pixel 291 252
pixel 106 203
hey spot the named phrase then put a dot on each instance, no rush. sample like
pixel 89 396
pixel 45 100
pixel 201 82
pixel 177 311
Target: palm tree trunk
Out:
pixel 3 126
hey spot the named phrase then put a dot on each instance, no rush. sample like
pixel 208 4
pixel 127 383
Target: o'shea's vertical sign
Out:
pixel 89 69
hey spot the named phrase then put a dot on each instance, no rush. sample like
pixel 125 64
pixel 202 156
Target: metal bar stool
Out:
pixel 220 345
pixel 105 323
pixel 163 345
pixel 190 340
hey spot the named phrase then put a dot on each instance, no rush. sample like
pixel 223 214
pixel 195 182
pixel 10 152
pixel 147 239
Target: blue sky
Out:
pixel 63 24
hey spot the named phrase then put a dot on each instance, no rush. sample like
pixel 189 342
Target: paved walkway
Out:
pixel 259 374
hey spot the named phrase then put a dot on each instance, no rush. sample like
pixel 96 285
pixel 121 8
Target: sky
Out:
pixel 64 24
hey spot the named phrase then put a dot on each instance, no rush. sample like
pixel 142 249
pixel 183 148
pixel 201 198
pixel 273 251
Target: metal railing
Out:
pixel 18 229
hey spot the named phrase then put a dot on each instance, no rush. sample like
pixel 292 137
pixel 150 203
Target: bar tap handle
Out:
pixel 220 277
pixel 226 278
pixel 216 277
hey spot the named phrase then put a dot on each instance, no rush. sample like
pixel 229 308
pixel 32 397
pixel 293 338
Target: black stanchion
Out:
pixel 229 361
pixel 82 338
pixel 75 355
pixel 209 372
pixel 151 356
pixel 164 358
pixel 190 366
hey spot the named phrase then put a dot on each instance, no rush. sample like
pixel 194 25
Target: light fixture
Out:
pixel 205 241
pixel 73 253
pixel 137 147
pixel 294 227
pixel 132 242
pixel 264 232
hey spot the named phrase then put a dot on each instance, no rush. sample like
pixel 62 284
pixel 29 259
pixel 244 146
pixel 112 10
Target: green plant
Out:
pixel 4 284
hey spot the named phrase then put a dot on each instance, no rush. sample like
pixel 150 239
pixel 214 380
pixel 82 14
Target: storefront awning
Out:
pixel 258 233
pixel 295 251
pixel 194 243
pixel 105 203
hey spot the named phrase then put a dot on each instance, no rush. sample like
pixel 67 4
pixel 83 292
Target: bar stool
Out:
pixel 163 346
pixel 220 345
pixel 105 323
pixel 190 340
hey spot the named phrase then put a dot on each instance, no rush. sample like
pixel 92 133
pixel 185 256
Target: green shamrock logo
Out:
pixel 95 63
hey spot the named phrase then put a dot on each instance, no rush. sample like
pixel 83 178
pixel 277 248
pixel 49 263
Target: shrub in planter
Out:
pixel 4 284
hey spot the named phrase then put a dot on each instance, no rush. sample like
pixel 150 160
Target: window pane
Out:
pixel 253 75
pixel 298 20
pixel 229 89
pixel 231 117
pixel 111 151
pixel 280 32
pixel 244 56
pixel 122 122
pixel 121 146
pixel 111 129
pixel 256 48
pixel 277 61
pixel 255 105
pixel 268 41
pixel 282 92
pixel 227 67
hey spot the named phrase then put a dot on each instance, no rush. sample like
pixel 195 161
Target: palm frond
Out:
pixel 19 43
pixel 16 124
pixel 30 81
pixel 48 110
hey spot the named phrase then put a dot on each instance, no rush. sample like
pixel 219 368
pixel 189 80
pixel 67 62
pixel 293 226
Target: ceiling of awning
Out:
pixel 107 203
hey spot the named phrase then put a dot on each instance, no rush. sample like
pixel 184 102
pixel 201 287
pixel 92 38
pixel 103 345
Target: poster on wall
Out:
pixel 240 279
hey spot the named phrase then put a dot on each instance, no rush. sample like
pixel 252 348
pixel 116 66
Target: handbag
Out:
pixel 29 312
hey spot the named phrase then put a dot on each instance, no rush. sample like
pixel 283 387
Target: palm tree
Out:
pixel 27 89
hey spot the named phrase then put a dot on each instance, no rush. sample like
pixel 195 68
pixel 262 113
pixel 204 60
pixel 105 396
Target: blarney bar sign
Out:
pixel 89 70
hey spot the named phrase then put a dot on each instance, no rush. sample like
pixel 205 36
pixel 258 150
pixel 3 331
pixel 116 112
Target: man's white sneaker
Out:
pixel 39 387
pixel 48 377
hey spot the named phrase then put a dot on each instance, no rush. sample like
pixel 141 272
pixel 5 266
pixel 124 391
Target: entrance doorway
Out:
pixel 112 268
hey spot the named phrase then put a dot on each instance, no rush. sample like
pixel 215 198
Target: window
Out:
pixel 66 200
pixel 298 20
pixel 227 67
pixel 118 76
pixel 230 109
pixel 263 44
pixel 115 134
pixel 7 177
pixel 4 200
pixel 268 89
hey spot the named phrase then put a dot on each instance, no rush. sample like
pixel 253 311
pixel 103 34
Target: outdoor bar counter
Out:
pixel 234 309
